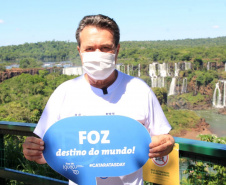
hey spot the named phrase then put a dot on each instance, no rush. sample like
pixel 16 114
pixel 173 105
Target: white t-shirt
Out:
pixel 127 96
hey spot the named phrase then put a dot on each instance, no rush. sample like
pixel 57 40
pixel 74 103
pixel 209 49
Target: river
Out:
pixel 217 121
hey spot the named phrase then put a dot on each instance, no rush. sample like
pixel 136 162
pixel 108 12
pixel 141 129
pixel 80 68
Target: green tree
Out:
pixel 2 67
pixel 186 57
pixel 161 94
pixel 29 63
pixel 198 63
pixel 43 73
pixel 205 172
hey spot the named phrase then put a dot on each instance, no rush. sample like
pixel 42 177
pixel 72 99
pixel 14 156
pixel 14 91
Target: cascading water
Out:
pixel 157 82
pixel 208 66
pixel 152 70
pixel 154 81
pixel 152 74
pixel 128 70
pixel 118 67
pixel 178 85
pixel 157 72
pixel 217 97
pixel 161 82
pixel 162 69
pixel 138 70
pixel 187 65
pixel 224 98
pixel 172 87
pixel 176 73
pixel 184 86
pixel 122 68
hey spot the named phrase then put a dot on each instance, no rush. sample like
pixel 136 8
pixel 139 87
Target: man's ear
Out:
pixel 117 51
pixel 79 53
pixel 78 49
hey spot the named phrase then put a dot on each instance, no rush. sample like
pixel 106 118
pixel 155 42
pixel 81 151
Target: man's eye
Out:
pixel 106 49
pixel 89 49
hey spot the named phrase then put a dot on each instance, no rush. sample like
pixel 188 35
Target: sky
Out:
pixel 33 21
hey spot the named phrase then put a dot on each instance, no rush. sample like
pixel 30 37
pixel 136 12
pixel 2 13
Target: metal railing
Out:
pixel 14 167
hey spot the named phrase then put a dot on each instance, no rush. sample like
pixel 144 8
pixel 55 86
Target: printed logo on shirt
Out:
pixel 78 114
pixel 110 113
pixel 107 113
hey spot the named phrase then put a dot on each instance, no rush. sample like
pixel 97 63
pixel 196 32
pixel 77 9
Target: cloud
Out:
pixel 216 26
pixel 1 21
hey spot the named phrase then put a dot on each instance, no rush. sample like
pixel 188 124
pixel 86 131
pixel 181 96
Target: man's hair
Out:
pixel 99 21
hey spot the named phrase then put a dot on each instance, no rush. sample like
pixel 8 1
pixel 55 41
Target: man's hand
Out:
pixel 161 145
pixel 33 150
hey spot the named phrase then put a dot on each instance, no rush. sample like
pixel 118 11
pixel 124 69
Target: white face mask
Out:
pixel 98 65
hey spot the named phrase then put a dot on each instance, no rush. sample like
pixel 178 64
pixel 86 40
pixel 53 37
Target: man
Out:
pixel 103 90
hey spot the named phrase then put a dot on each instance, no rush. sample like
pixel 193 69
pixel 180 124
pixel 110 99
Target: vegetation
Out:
pixel 131 52
pixel 42 51
pixel 206 172
pixel 15 160
pixel 29 63
pixel 23 97
pixel 203 77
pixel 161 94
pixel 180 120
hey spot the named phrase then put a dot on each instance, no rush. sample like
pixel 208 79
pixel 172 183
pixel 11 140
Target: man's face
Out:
pixel 95 39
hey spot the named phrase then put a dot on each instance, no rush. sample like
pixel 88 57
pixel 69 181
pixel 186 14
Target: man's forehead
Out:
pixel 91 35
pixel 93 28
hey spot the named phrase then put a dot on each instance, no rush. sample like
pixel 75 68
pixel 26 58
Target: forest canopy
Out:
pixel 208 49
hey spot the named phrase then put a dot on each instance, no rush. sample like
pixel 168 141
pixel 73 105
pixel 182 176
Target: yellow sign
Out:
pixel 163 170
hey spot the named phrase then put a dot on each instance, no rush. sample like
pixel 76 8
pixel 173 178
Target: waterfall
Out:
pixel 208 66
pixel 176 70
pixel 187 65
pixel 225 66
pixel 224 98
pixel 128 70
pixel 178 85
pixel 184 86
pixel 217 97
pixel 172 87
pixel 152 70
pixel 118 67
pixel 153 81
pixel 73 70
pixel 138 70
pixel 156 69
pixel 161 82
pixel 162 69
pixel 157 82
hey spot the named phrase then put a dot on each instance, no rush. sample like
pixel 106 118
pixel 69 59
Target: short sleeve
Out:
pixel 157 122
pixel 51 112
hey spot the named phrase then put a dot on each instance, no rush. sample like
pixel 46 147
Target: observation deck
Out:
pixel 15 169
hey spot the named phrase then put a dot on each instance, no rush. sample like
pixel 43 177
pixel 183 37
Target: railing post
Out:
pixel 2 157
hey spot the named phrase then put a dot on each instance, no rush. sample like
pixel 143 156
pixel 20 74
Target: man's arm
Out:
pixel 161 145
pixel 33 150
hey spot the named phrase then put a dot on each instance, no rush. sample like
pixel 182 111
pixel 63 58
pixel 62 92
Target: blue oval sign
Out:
pixel 85 147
